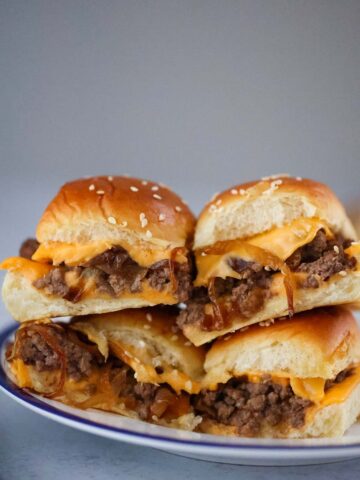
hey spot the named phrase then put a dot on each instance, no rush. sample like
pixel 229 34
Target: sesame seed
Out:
pixel 141 344
pixel 158 197
pixel 144 182
pixel 148 234
pixel 123 223
pixel 147 327
pixel 110 178
pixel 188 385
pixel 174 337
pixel 233 191
pixel 143 220
pixel 100 192
pixel 177 208
pixel 343 273
pixel 212 208
pixel 155 418
pixel 203 254
pixel 188 344
pixel 336 249
pixel 227 338
pixel 161 217
pixel 91 187
pixel 218 202
pixel 214 196
pixel 112 220
pixel 242 191
pixel 267 268
pixel 149 317
pixel 298 179
pixel 154 188
pixel 134 189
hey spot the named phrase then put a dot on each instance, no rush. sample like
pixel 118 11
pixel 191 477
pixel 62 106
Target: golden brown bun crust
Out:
pixel 278 200
pixel 87 209
pixel 317 343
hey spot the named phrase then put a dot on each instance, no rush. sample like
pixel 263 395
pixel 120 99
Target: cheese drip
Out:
pixel 279 243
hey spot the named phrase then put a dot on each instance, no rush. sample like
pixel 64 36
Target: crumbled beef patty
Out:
pixel 247 295
pixel 146 399
pixel 250 406
pixel 339 378
pixel 321 259
pixel 28 248
pixel 34 350
pixel 114 272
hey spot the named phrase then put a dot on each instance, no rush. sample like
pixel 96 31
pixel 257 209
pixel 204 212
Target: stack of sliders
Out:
pixel 107 244
pixel 249 339
pixel 264 251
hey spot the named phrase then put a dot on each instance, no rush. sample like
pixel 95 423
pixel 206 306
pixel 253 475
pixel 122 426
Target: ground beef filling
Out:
pixel 148 400
pixel 112 272
pixel 321 258
pixel 252 406
pixel 245 296
pixel 34 350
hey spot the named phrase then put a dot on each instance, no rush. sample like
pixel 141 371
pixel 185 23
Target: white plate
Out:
pixel 214 448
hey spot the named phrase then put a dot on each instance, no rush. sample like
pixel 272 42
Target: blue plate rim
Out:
pixel 8 386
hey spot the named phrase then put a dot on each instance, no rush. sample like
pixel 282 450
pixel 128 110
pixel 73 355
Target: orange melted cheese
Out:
pixel 147 373
pixel 28 268
pixel 34 270
pixel 314 388
pixel 280 242
pixel 79 254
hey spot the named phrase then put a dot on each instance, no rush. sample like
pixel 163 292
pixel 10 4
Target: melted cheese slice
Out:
pixel 145 372
pixel 79 254
pixel 280 243
pixel 28 268
pixel 314 388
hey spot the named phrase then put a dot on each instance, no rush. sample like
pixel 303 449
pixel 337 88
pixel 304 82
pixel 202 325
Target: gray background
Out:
pixel 197 94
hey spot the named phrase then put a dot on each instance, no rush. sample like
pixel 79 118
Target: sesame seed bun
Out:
pixel 113 209
pixel 255 207
pixel 318 343
pixel 147 338
pixel 315 345
pixel 338 289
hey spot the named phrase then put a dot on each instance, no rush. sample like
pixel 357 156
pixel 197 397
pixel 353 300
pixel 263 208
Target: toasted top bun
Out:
pixel 149 341
pixel 318 343
pixel 256 207
pixel 115 209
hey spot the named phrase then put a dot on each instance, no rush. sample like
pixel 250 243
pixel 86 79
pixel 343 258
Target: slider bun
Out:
pixel 25 302
pixel 255 207
pixel 319 343
pixel 86 210
pixel 147 338
pixel 330 421
pixel 336 290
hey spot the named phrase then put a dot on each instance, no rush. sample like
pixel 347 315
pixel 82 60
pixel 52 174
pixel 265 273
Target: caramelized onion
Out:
pixel 250 253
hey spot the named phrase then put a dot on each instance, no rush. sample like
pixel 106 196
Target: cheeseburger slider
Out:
pixel 134 362
pixel 267 249
pixel 296 378
pixel 103 244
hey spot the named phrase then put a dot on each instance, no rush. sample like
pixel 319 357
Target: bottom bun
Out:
pixel 330 421
pixel 26 302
